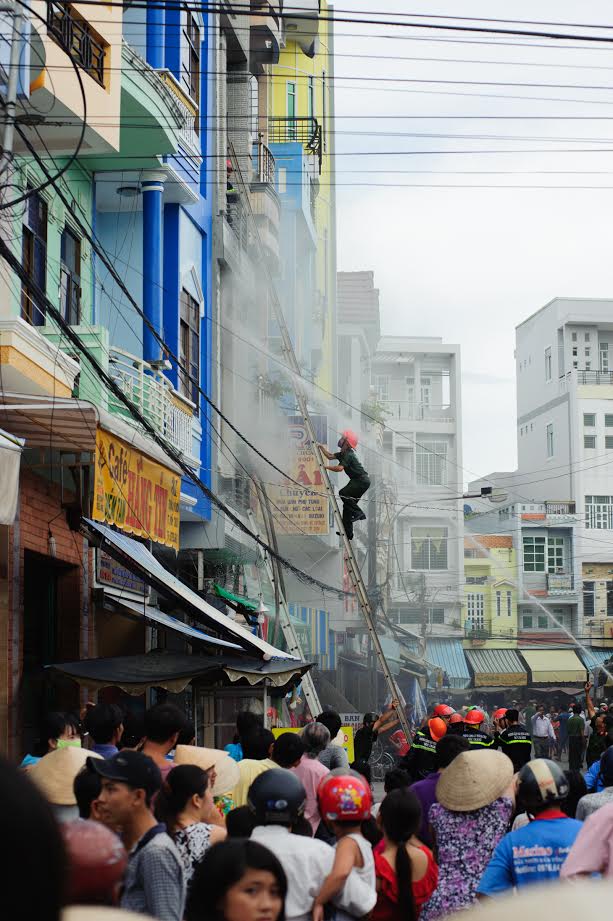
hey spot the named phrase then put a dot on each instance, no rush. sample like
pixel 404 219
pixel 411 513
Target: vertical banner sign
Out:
pixel 135 493
pixel 303 510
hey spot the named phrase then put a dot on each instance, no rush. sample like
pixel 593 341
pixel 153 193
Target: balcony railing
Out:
pixel 584 377
pixel 560 508
pixel 188 113
pixel 79 42
pixel 265 165
pixel 560 583
pixel 153 394
pixel 417 412
pixel 305 131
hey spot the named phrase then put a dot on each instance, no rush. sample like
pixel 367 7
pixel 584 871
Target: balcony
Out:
pixel 560 584
pixel 417 412
pixel 302 24
pixel 170 413
pixel 305 131
pixel 594 384
pixel 266 34
pixel 265 201
pixel 75 52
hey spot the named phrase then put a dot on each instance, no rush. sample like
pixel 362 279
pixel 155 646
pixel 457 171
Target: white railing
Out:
pixel 417 412
pixel 155 397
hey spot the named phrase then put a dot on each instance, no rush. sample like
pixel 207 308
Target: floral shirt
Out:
pixel 192 844
pixel 466 841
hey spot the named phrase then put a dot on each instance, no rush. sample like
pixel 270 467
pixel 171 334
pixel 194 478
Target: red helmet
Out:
pixel 444 711
pixel 351 438
pixel 344 798
pixel 500 713
pixel 474 717
pixel 97 862
pixel 456 718
pixel 437 727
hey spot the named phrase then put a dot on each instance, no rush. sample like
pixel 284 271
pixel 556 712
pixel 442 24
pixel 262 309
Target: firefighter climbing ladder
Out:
pixel 353 569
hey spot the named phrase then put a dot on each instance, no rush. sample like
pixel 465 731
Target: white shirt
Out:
pixel 307 862
pixel 542 728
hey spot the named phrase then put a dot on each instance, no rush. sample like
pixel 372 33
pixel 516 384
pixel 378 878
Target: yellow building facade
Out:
pixel 301 95
pixel 489 610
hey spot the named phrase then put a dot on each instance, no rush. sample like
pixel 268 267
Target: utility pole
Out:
pixel 10 103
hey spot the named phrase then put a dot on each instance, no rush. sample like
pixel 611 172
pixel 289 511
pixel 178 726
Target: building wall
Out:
pixel 487 575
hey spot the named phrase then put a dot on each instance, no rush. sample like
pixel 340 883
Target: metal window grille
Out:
pixel 77 39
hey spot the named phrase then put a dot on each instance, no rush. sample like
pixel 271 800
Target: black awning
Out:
pixel 174 671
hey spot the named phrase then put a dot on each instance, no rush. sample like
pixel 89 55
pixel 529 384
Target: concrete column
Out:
pixel 152 186
pixel 155 33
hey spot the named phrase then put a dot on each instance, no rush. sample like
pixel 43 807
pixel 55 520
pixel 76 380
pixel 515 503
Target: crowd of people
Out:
pixel 279 827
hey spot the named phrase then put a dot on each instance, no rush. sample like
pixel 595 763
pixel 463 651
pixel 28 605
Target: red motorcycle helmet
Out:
pixel 437 727
pixel 456 718
pixel 344 798
pixel 350 437
pixel 97 861
pixel 444 711
pixel 474 717
pixel 500 713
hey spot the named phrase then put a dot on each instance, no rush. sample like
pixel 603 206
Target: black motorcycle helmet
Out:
pixel 276 797
pixel 541 783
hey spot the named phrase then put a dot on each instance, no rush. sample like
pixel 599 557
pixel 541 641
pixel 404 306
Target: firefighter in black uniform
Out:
pixel 515 740
pixel 474 733
pixel 420 761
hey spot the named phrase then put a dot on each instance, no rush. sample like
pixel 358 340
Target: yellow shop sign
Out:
pixel 135 493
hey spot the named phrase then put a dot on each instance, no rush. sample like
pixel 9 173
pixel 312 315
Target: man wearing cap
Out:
pixel 154 883
pixel 420 761
pixel 473 731
pixel 515 741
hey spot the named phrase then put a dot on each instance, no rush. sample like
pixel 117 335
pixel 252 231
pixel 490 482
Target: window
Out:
pixel 589 441
pixel 191 64
pixel 599 512
pixel 609 586
pixel 428 548
pixel 324 110
pixel 534 554
pixel 70 277
pixel 608 420
pixel 575 364
pixel 509 604
pixel 587 353
pixel 34 255
pixel 190 348
pixel 418 615
pixel 498 604
pixel 589 420
pixel 608 442
pixel 588 366
pixel 587 337
pixel 475 610
pixel 311 97
pixel 604 356
pixel 382 387
pixel 574 337
pixel 549 435
pixel 526 621
pixel 555 554
pixel 291 110
pixel 84 46
pixel 542 622
pixel 589 599
pixel 431 463
pixel 548 363
pixel 575 351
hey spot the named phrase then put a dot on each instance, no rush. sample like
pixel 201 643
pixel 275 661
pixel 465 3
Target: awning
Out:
pixel 70 425
pixel 173 671
pixel 448 655
pixel 10 460
pixel 554 666
pixel 239 601
pixel 593 656
pixel 497 667
pixel 140 561
pixel 160 619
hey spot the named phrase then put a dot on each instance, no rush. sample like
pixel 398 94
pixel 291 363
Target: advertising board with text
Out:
pixel 300 511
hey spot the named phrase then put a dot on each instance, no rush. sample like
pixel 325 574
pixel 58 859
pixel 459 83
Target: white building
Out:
pixel 564 358
pixel 417 382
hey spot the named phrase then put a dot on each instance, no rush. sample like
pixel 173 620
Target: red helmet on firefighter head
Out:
pixel 456 718
pixel 500 713
pixel 350 437
pixel 344 798
pixel 437 727
pixel 474 717
pixel 444 711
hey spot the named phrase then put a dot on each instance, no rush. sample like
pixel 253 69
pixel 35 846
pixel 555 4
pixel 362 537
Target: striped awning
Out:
pixel 448 657
pixel 497 668
pixel 593 656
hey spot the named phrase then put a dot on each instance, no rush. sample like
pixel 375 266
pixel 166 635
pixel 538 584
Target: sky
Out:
pixel 469 264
